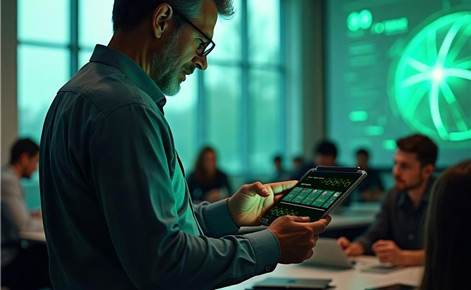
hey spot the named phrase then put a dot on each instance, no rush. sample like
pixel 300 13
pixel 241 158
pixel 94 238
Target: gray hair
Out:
pixel 127 14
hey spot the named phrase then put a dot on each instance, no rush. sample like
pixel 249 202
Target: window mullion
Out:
pixel 202 112
pixel 74 35
pixel 244 113
pixel 283 140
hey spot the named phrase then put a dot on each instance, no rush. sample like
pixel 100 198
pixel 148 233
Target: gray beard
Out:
pixel 163 67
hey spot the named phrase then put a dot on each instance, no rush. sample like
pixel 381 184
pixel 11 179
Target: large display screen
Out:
pixel 398 67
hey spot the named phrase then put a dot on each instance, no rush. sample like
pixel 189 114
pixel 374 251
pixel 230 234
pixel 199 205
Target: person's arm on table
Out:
pixel 389 252
pixel 15 210
pixel 378 230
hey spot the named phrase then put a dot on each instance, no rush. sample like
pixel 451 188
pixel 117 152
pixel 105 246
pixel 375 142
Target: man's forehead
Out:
pixel 405 156
pixel 207 18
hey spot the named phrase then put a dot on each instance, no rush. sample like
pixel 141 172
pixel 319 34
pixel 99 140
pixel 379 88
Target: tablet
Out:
pixel 317 194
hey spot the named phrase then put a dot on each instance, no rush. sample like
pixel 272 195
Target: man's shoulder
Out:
pixel 9 180
pixel 7 174
pixel 106 87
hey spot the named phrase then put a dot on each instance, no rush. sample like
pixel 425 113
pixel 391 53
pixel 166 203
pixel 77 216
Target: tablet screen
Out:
pixel 315 194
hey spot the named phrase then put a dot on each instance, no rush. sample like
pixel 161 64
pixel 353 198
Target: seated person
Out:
pixel 447 254
pixel 372 187
pixel 325 154
pixel 280 173
pixel 22 268
pixel 207 182
pixel 396 235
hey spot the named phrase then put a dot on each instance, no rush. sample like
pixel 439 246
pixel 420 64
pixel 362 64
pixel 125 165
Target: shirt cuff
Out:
pixel 366 245
pixel 219 220
pixel 267 250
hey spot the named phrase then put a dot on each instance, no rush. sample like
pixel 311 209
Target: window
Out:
pixel 237 105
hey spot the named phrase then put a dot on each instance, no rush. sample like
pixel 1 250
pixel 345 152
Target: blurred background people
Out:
pixel 22 267
pixel 447 252
pixel 396 235
pixel 324 154
pixel 207 182
pixel 372 187
pixel 298 162
pixel 280 173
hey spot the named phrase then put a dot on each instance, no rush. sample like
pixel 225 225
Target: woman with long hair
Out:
pixel 447 245
pixel 207 182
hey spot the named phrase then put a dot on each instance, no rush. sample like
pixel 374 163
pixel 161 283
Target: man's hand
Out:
pixel 251 201
pixel 389 252
pixel 297 237
pixel 350 249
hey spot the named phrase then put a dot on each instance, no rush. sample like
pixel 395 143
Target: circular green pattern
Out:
pixel 432 82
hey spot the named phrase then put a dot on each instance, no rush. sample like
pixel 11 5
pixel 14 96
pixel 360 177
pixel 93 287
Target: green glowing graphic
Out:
pixel 432 82
pixel 389 144
pixel 358 116
pixel 357 20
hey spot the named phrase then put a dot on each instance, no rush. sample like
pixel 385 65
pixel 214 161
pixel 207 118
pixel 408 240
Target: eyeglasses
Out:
pixel 205 47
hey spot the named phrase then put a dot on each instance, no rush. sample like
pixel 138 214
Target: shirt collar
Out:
pixel 112 57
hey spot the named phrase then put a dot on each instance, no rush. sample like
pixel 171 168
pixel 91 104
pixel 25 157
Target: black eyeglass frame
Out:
pixel 210 43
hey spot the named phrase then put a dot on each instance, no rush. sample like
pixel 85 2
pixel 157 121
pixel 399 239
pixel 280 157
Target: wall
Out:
pixel 313 77
pixel 8 77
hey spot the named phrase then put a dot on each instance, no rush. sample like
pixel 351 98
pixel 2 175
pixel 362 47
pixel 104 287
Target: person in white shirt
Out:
pixel 22 267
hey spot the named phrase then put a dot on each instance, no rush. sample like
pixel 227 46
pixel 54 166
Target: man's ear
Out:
pixel 161 19
pixel 428 169
pixel 24 158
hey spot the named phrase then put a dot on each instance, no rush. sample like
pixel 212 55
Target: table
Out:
pixel 350 279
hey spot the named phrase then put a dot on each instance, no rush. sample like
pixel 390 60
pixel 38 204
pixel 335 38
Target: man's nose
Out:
pixel 395 171
pixel 200 62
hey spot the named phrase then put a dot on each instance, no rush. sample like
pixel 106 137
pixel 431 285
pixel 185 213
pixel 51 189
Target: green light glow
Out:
pixel 366 19
pixel 374 131
pixel 389 144
pixel 357 20
pixel 432 82
pixel 353 22
pixel 437 74
pixel 358 116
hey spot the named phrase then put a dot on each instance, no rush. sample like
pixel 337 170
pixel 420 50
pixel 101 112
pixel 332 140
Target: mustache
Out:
pixel 189 68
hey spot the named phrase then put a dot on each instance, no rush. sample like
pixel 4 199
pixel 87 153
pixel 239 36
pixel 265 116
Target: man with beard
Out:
pixel 117 209
pixel 396 235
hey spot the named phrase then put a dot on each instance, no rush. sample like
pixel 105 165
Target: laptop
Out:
pixel 327 253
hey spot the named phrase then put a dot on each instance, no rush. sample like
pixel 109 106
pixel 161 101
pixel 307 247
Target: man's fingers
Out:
pixel 319 226
pixel 382 242
pixel 309 254
pixel 348 251
pixel 327 218
pixel 302 219
pixel 383 250
pixel 257 188
pixel 280 187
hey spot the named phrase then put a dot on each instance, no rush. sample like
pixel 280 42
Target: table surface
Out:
pixel 349 279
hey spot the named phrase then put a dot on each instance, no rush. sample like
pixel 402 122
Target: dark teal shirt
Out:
pixel 116 207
